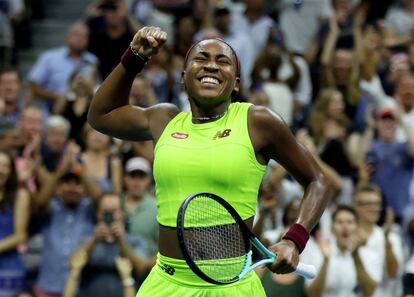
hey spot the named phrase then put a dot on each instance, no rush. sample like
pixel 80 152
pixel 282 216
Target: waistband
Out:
pixel 178 271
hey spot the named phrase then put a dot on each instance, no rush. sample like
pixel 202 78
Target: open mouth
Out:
pixel 209 80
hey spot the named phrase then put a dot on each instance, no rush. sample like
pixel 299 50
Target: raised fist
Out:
pixel 148 40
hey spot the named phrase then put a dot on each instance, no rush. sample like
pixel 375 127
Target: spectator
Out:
pixel 254 23
pixel 50 76
pixel 142 93
pixel 139 204
pixel 218 19
pixel 57 214
pixel 108 43
pixel 163 76
pixel 184 36
pixel 10 94
pixel 329 126
pixel 100 164
pixel 391 159
pixel 100 276
pixel 14 220
pixel 55 142
pixel 404 96
pixel 339 66
pixel 284 284
pixel 339 264
pixel 75 106
pixel 382 253
pixel 400 22
pixel 265 77
pixel 300 22
pixel 78 261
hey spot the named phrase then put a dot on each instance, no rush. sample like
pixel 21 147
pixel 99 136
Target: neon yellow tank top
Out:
pixel 215 157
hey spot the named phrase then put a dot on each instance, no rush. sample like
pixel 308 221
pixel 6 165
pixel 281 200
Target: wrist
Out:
pixel 75 273
pixel 133 61
pixel 128 281
pixel 298 235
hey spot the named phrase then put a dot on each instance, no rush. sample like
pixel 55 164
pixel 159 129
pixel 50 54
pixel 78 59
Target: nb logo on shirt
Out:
pixel 220 134
pixel 168 269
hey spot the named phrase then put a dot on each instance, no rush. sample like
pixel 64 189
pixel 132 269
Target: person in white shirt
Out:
pixel 341 272
pixel 382 254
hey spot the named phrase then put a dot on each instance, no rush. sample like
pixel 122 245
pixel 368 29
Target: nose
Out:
pixel 211 66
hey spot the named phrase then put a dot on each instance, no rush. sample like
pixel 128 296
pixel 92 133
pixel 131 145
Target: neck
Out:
pixel 75 54
pixel 252 15
pixel 367 227
pixel 134 198
pixel 115 30
pixel 208 118
pixel 95 153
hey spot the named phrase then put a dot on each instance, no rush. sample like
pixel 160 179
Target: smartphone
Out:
pixel 108 218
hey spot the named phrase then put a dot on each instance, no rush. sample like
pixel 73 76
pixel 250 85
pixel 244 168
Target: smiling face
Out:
pixel 210 73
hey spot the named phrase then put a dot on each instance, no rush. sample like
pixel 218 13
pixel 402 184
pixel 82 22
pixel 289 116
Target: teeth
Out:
pixel 210 80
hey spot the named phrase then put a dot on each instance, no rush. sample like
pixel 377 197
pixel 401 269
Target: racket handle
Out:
pixel 306 270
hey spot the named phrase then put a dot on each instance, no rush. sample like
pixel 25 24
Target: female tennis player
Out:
pixel 219 147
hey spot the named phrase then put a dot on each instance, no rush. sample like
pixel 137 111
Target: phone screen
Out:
pixel 108 217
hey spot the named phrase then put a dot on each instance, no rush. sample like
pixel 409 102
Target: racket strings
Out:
pixel 214 239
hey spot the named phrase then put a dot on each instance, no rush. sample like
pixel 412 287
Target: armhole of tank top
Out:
pixel 251 147
pixel 167 127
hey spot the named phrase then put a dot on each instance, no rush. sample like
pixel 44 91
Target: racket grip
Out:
pixel 306 270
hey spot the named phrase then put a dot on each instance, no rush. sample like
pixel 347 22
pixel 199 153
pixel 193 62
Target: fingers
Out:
pixel 282 266
pixel 287 257
pixel 148 40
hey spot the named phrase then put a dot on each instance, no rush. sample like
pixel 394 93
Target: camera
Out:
pixel 108 218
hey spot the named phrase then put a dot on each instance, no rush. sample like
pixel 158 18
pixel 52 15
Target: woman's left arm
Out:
pixel 21 220
pixel 272 139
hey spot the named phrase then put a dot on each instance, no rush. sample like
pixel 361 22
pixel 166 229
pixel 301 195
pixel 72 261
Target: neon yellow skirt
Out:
pixel 172 277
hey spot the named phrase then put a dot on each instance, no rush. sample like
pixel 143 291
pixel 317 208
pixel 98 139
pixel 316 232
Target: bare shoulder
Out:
pixel 264 125
pixel 159 116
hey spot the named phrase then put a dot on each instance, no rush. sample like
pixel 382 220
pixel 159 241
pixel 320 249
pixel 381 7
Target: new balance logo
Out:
pixel 220 134
pixel 168 269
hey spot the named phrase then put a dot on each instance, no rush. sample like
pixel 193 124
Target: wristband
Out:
pixel 128 282
pixel 299 235
pixel 132 60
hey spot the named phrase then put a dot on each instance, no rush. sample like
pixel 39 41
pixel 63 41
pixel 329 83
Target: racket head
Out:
pixel 213 238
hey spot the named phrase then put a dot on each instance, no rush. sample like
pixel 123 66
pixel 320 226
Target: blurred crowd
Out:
pixel 78 209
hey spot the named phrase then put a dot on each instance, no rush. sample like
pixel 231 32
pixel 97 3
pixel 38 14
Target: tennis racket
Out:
pixel 216 243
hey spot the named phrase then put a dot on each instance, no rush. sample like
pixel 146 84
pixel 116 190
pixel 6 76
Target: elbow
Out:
pixel 20 238
pixel 94 120
pixel 370 291
pixel 393 271
pixel 325 188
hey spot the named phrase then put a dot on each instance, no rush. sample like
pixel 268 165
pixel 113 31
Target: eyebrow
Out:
pixel 207 54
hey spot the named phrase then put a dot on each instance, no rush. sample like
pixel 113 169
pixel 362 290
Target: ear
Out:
pixel 182 77
pixel 236 86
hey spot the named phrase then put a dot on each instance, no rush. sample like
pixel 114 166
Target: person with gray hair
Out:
pixel 54 141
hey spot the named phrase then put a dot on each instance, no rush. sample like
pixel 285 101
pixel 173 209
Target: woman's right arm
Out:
pixel 110 111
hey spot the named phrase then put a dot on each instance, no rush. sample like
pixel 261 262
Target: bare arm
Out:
pixel 116 174
pixel 21 219
pixel 272 139
pixel 317 287
pixel 39 91
pixel 124 267
pixel 366 283
pixel 270 132
pixel 110 111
